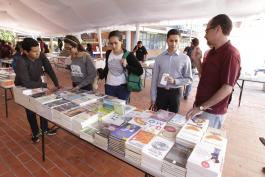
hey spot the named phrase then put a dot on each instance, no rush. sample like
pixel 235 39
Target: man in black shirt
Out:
pixel 188 50
pixel 140 51
pixel 28 74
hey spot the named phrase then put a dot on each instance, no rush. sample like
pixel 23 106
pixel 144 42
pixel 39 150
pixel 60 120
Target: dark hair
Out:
pixel 88 47
pixel 18 46
pixel 224 21
pixel 116 33
pixel 74 42
pixel 6 51
pixel 195 42
pixel 173 32
pixel 139 42
pixel 27 43
pixel 39 39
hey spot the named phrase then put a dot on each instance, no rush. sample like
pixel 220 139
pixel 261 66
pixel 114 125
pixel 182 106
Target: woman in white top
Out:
pixel 116 67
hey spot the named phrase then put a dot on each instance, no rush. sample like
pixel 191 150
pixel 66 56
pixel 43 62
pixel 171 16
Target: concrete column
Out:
pixel 51 44
pixel 128 40
pixel 100 42
pixel 137 34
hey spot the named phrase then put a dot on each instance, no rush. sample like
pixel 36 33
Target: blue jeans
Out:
pixel 31 116
pixel 119 91
pixel 215 120
pixel 187 88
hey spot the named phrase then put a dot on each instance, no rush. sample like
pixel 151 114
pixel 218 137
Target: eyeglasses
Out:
pixel 208 29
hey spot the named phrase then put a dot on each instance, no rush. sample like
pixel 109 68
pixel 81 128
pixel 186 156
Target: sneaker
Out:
pixel 50 132
pixel 35 139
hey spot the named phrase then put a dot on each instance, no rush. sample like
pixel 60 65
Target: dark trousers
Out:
pixel 168 99
pixel 87 87
pixel 31 116
pixel 119 91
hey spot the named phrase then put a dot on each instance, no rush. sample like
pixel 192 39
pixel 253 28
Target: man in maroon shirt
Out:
pixel 219 72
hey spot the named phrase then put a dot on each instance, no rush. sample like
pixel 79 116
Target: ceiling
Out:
pixel 60 17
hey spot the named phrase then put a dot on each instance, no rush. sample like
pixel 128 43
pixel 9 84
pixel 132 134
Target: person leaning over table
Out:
pixel 218 72
pixel 116 66
pixel 83 71
pixel 28 74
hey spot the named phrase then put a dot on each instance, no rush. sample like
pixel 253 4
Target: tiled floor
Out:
pixel 67 155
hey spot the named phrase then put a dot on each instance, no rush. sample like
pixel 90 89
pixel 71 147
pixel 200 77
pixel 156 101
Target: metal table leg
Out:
pixel 42 139
pixel 241 91
pixel 6 103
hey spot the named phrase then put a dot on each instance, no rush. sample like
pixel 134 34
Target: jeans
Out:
pixel 187 88
pixel 215 120
pixel 31 116
pixel 119 91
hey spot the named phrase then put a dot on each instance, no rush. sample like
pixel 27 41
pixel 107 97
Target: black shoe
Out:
pixel 262 140
pixel 185 97
pixel 35 139
pixel 50 132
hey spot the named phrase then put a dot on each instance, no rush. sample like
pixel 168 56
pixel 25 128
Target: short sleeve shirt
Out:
pixel 220 67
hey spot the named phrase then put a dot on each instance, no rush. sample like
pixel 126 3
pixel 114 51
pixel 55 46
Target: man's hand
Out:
pixel 75 88
pixel 170 80
pixel 193 112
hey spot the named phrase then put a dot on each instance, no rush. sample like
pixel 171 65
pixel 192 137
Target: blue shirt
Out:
pixel 177 65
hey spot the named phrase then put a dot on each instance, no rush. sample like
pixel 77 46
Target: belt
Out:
pixel 165 88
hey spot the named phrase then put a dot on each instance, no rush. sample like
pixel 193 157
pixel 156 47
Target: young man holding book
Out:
pixel 171 71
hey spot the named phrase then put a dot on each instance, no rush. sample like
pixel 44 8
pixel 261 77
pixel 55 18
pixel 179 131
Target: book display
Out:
pixel 162 143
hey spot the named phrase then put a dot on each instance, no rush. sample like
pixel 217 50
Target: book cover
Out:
pixel 162 115
pixel 178 120
pixel 115 119
pixel 178 155
pixel 74 112
pixel 141 139
pixel 158 148
pixel 56 103
pixel 154 126
pixel 138 121
pixel 65 107
pixel 125 131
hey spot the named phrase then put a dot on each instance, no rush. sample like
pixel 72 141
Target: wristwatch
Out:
pixel 202 108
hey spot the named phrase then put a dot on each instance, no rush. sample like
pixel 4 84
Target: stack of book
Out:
pixel 104 113
pixel 169 132
pixel 174 164
pixel 115 104
pixel 140 121
pixel 154 153
pixel 83 120
pixel 134 146
pixel 154 126
pixel 89 132
pixel 82 101
pixel 205 160
pixel 215 137
pixel 178 121
pixel 114 119
pixel 102 135
pixel 59 116
pixel 192 132
pixel 162 115
pixel 46 109
pixel 119 136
